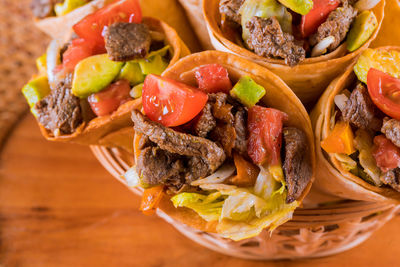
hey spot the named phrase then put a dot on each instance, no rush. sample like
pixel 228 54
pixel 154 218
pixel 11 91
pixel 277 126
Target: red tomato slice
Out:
pixel 265 134
pixel 213 78
pixel 317 15
pixel 91 27
pixel 385 92
pixel 78 50
pixel 108 100
pixel 150 199
pixel 169 102
pixel 386 154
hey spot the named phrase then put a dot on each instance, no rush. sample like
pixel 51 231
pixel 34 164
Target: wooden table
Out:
pixel 59 207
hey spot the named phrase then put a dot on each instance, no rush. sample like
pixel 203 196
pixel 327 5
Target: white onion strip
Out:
pixel 340 101
pixel 363 5
pixel 321 47
pixel 223 173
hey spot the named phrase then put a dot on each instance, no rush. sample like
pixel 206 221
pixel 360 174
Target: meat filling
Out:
pixel 296 165
pixel 268 40
pixel 200 157
pixel 392 178
pixel 230 8
pixel 391 128
pixel 127 41
pixel 337 25
pixel 60 112
pixel 43 8
pixel 361 111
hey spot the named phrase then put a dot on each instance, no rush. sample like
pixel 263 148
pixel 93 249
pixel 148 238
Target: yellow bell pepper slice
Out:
pixel 340 140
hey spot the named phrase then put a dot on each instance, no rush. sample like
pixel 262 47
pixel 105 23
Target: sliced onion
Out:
pixel 340 101
pixel 53 59
pixel 321 47
pixel 132 177
pixel 362 5
pixel 157 36
pixel 223 173
pixel 220 187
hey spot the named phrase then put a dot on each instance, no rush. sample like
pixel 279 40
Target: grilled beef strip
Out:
pixel 127 41
pixel 337 25
pixel 230 8
pixel 268 40
pixel 60 110
pixel 392 178
pixel 296 164
pixel 43 8
pixel 360 111
pixel 391 129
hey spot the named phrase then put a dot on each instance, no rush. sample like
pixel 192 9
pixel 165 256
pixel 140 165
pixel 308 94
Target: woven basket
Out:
pixel 313 232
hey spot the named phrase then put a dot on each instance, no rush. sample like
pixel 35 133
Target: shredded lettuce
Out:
pixel 209 207
pixel 241 212
pixel 265 9
pixel 363 143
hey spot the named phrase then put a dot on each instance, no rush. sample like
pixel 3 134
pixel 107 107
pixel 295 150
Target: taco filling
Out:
pixel 49 8
pixel 217 150
pixel 102 67
pixel 296 30
pixel 365 125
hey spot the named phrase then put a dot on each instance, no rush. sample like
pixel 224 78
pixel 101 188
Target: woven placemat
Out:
pixel 20 44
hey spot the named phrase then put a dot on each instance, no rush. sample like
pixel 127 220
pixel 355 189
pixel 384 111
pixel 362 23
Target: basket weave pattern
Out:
pixel 20 44
pixel 313 232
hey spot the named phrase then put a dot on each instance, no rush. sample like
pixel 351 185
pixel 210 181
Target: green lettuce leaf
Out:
pixel 241 212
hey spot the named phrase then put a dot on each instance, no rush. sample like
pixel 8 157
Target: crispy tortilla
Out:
pixel 98 128
pixel 278 96
pixel 389 34
pixel 308 79
pixel 331 177
pixel 168 11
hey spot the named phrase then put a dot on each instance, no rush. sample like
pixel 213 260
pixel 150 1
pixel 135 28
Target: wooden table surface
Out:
pixel 59 207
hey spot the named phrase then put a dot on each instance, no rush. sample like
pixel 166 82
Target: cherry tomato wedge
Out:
pixel 265 134
pixel 317 15
pixel 386 154
pixel 385 92
pixel 108 100
pixel 213 78
pixel 150 199
pixel 79 49
pixel 169 102
pixel 91 27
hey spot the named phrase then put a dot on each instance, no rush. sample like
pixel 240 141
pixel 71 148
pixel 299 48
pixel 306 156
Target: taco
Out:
pixel 222 145
pixel 307 43
pixel 357 130
pixel 88 87
pixel 56 17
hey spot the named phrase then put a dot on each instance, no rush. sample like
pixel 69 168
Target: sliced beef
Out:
pixel 180 143
pixel 240 126
pixel 337 25
pixel 392 178
pixel 158 166
pixel 60 111
pixel 196 168
pixel 268 40
pixel 296 165
pixel 361 111
pixel 206 122
pixel 127 41
pixel 391 129
pixel 231 130
pixel 230 8
pixel 43 8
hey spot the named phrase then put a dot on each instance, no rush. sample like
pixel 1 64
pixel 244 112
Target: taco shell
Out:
pixel 168 11
pixel 309 78
pixel 99 128
pixel 331 177
pixel 278 96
